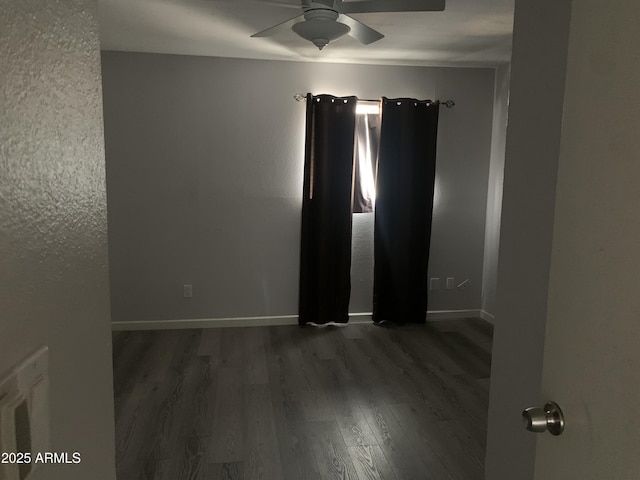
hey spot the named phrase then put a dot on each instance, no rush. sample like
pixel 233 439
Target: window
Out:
pixel 366 156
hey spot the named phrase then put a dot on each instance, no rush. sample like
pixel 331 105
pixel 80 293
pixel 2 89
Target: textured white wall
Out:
pixel 53 231
pixel 204 174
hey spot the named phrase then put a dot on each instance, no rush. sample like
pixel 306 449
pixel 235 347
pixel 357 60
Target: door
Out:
pixel 568 321
pixel 592 342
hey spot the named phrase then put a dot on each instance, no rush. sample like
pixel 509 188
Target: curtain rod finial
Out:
pixel 300 97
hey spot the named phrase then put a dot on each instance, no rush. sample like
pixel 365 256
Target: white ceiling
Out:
pixel 467 33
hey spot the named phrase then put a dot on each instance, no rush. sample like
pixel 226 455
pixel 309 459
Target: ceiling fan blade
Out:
pixel 276 28
pixel 328 3
pixel 276 3
pixel 360 31
pixel 367 6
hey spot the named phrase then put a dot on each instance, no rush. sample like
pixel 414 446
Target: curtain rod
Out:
pixel 301 97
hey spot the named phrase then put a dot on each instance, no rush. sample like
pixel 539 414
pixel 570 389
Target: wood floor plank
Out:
pixel 311 397
pixel 330 451
pixel 130 429
pixel 296 458
pixel 194 410
pixel 134 456
pixel 232 347
pixel 154 470
pixel 425 348
pixel 163 438
pixel 170 418
pixel 405 379
pixel 283 386
pixel 370 463
pixel 476 333
pixel 466 405
pixel 403 454
pixel 471 392
pixel 334 346
pixel 441 396
pixel 371 373
pixel 190 461
pixel 323 342
pixel 463 442
pixel 470 362
pixel 353 426
pixel 205 397
pixel 210 342
pixel 151 363
pixel 147 437
pixel 225 471
pixel 133 348
pixel 438 438
pixel 289 403
pixel 261 449
pixel 352 331
pixel 477 352
pixel 433 463
pixel 255 360
pixel 166 343
pixel 227 442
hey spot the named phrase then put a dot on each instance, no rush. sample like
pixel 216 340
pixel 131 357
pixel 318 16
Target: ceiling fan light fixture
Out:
pixel 320 31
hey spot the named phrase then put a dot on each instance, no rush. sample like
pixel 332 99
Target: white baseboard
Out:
pixel 487 316
pixel 205 323
pixel 267 321
pixel 451 314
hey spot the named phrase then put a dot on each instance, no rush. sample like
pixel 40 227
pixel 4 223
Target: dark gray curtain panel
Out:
pixel 403 210
pixel 325 251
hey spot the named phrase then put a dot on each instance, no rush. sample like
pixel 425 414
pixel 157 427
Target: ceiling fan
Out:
pixel 323 21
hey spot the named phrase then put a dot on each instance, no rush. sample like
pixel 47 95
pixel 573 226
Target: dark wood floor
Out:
pixel 357 402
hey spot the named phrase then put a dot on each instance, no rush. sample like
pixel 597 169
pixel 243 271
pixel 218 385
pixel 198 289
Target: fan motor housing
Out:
pixel 322 13
pixel 320 26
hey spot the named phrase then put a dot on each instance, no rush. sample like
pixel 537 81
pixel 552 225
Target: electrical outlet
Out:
pixel 187 291
pixel 434 283
pixel 450 283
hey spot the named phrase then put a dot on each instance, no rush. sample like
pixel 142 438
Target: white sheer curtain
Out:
pixel 366 156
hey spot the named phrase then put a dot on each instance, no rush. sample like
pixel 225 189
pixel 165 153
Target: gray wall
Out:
pixel 204 176
pixel 53 225
pixel 494 193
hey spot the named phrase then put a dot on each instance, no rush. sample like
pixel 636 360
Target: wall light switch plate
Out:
pixel 9 405
pixel 434 283
pixel 187 291
pixel 24 413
